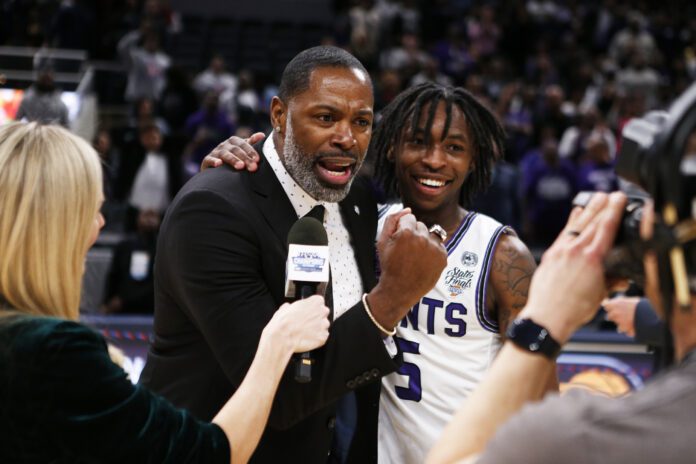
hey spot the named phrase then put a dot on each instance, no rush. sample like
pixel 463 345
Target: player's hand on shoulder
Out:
pixel 236 152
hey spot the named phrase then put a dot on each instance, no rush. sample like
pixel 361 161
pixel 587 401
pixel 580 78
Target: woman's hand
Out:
pixel 304 324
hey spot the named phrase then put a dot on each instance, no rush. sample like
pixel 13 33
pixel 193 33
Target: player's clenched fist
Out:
pixel 411 260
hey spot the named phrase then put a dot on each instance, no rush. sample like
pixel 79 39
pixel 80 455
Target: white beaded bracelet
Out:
pixel 389 333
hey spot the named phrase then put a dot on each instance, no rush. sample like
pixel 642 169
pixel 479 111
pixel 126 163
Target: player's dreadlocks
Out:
pixel 487 134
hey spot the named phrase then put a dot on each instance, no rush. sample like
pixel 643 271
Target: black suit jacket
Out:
pixel 219 277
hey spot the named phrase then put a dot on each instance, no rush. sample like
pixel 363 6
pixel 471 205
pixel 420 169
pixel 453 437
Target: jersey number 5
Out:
pixel 413 392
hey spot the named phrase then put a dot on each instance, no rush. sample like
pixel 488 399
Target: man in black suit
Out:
pixel 219 272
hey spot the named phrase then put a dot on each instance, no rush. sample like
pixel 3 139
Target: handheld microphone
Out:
pixel 306 273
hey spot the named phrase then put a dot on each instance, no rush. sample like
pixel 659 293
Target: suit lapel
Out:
pixel 362 239
pixel 271 199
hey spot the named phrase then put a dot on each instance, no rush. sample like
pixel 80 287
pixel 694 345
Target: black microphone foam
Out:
pixel 308 231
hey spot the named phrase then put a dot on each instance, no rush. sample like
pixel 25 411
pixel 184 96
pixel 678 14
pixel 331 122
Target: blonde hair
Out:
pixel 50 188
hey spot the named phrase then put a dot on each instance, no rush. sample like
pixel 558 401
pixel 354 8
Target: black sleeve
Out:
pixel 96 414
pixel 649 328
pixel 219 277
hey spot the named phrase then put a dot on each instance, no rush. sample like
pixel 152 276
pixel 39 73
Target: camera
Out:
pixel 658 154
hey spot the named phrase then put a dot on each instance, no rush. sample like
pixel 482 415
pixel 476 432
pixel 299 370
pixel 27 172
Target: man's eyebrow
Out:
pixel 334 109
pixel 325 106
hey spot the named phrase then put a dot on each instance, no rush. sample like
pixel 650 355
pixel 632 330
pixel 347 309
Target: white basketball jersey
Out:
pixel 448 343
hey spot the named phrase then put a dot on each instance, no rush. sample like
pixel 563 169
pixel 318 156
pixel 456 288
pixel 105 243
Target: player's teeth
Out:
pixel 431 182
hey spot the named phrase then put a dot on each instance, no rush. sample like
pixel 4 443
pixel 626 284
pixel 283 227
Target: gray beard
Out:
pixel 300 166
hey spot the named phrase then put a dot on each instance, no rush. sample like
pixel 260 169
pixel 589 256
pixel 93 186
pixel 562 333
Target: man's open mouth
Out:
pixel 335 171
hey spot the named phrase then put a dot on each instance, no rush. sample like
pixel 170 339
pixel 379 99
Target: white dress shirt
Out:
pixel 345 276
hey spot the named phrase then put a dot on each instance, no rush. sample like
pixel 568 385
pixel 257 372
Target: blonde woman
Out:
pixel 61 398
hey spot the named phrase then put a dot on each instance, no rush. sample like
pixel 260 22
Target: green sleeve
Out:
pixel 92 411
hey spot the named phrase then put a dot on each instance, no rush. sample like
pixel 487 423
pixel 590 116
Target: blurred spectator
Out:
pixel 178 100
pixel 130 283
pixel 41 102
pixel 127 138
pixel 540 69
pixel 626 108
pixel 146 64
pixel 149 177
pixel 206 128
pixel 404 16
pixel 474 84
pixel 637 78
pixel 596 169
pixel 548 188
pixel 483 31
pixel 631 40
pixel 574 141
pixel 554 111
pixel 247 101
pixel 430 73
pixel 605 20
pixel 494 76
pixel 387 88
pixel 407 59
pixel 595 81
pixel 365 25
pixel 217 79
pixel 515 108
pixel 453 54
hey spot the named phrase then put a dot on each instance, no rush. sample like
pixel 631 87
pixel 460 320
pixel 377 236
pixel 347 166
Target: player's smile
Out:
pixel 430 184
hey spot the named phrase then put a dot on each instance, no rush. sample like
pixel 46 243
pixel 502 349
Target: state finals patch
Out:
pixel 457 280
pixel 469 259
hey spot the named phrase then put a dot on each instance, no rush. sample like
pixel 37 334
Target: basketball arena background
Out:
pixel 564 77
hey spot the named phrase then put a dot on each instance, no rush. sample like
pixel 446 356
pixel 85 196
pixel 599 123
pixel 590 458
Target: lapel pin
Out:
pixel 357 209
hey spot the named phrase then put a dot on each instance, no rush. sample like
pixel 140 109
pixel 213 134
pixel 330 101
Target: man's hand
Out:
pixel 411 260
pixel 622 311
pixel 569 284
pixel 235 151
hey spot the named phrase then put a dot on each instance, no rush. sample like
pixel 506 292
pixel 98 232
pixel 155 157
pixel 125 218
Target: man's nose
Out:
pixel 343 137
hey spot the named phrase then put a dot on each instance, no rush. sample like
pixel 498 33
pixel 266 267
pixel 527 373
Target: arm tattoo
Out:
pixel 512 269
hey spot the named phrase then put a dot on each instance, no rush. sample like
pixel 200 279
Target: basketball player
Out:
pixel 435 148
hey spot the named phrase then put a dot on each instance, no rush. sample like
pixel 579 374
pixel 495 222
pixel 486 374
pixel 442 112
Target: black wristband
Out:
pixel 532 337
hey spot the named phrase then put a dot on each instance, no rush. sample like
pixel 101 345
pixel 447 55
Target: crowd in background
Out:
pixel 563 76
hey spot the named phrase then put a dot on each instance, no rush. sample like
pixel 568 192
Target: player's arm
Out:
pixel 511 273
pixel 564 295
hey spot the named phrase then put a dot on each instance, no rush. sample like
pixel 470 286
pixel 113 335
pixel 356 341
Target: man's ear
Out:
pixel 278 115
